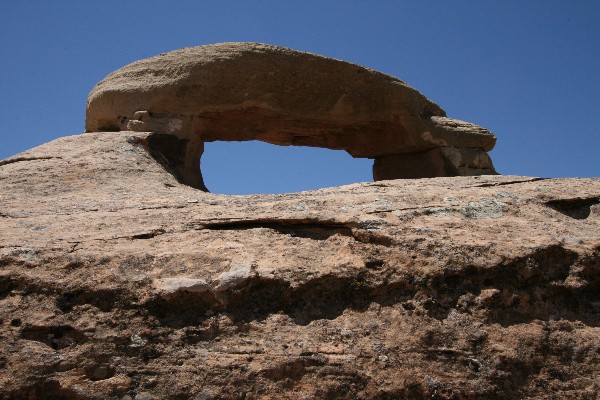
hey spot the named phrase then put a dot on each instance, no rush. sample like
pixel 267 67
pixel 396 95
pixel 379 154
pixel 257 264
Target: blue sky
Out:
pixel 527 70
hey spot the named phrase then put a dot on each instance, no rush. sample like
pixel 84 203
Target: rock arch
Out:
pixel 251 91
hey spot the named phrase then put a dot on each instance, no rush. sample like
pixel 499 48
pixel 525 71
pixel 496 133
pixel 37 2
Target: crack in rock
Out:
pixel 21 159
pixel 308 228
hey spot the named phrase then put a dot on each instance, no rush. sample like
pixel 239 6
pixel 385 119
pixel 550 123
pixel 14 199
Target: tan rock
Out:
pixel 251 91
pixel 118 282
pixel 170 287
pixel 443 161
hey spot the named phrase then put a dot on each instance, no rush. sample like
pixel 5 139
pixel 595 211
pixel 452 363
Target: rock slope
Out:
pixel 118 282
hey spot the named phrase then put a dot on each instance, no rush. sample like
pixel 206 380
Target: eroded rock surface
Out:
pixel 251 91
pixel 118 282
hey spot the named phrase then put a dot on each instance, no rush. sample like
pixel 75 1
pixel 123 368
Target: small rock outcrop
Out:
pixel 118 282
pixel 251 91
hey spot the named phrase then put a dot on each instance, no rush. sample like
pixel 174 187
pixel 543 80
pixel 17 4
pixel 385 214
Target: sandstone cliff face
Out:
pixel 118 282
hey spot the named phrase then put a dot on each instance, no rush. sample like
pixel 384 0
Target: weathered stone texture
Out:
pixel 118 282
pixel 251 91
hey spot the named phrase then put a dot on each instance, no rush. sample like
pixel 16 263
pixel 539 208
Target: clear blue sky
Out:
pixel 527 70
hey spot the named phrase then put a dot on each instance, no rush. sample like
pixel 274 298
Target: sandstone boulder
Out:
pixel 251 91
pixel 118 282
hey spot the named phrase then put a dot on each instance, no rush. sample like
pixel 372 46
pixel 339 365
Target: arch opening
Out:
pixel 257 167
pixel 316 167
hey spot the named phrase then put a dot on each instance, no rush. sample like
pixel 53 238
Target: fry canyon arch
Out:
pixel 252 91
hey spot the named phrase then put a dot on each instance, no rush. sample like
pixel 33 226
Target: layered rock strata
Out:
pixel 251 91
pixel 119 282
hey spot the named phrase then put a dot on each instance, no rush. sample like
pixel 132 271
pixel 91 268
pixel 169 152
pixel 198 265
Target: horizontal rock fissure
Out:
pixel 21 159
pixel 294 227
pixel 493 184
pixel 147 234
pixel 434 206
pixel 178 206
pixel 93 210
pixel 306 228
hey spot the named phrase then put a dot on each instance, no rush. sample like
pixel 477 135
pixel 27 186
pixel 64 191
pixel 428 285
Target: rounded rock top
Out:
pixel 237 76
pixel 252 91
